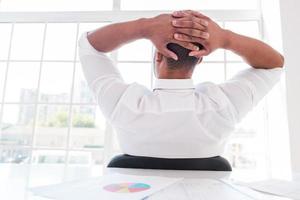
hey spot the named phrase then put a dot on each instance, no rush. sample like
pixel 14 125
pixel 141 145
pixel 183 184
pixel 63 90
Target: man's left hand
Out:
pixel 216 37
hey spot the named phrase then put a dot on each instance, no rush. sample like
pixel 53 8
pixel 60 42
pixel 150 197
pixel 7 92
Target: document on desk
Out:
pixel 108 187
pixel 289 189
pixel 202 189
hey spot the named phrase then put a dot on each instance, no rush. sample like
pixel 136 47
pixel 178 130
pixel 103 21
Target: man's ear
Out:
pixel 158 56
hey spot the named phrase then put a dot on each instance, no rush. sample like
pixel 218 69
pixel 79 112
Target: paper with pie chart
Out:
pixel 108 187
pixel 127 187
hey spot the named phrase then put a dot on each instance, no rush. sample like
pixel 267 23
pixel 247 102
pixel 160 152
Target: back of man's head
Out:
pixel 184 60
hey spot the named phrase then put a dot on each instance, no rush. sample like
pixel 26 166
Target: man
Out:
pixel 177 119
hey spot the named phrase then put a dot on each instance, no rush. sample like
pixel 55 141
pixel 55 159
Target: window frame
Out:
pixel 116 15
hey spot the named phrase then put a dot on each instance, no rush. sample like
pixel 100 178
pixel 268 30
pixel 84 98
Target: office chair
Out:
pixel 217 163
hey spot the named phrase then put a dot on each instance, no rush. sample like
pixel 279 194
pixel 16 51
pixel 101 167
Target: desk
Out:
pixel 14 187
pixel 190 177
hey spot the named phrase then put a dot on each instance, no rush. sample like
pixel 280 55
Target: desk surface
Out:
pixel 14 182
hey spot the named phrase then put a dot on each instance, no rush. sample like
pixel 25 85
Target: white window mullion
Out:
pixel 266 130
pixel 225 58
pixel 50 103
pixel 70 114
pixel 152 67
pixel 16 146
pixel 36 107
pixel 113 56
pixel 117 5
pixel 33 136
pixel 5 79
pixel 117 15
pixel 109 132
pixel 67 61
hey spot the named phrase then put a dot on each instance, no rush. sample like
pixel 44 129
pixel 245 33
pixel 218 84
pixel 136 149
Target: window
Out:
pixel 188 4
pixel 55 5
pixel 48 116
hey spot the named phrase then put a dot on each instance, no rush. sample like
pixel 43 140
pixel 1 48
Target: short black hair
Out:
pixel 184 60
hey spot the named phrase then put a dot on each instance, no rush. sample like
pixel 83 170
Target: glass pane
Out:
pixel 14 155
pixel 83 164
pixel 140 50
pixel 88 127
pixel 85 157
pixel 22 82
pixel 48 157
pixel 17 124
pixel 248 28
pixel 14 172
pixel 2 77
pixel 47 167
pixel 52 126
pixel 233 68
pixel 249 123
pixel 187 4
pixel 217 55
pixel 83 27
pixel 249 134
pixel 27 41
pixel 207 72
pixel 136 72
pixel 60 41
pixel 55 5
pixel 230 56
pixel 5 31
pixel 82 92
pixel 56 82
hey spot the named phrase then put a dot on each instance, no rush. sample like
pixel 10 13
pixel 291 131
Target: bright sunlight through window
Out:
pixel 48 116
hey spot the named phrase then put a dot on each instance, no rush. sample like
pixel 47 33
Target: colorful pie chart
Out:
pixel 126 187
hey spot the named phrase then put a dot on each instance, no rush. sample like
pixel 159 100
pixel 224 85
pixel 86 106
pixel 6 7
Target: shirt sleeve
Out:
pixel 248 87
pixel 102 75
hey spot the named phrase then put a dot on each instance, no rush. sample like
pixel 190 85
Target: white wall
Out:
pixel 290 17
pixel 279 162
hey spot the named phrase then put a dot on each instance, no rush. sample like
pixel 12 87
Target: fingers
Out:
pixel 187 38
pixel 169 54
pixel 196 14
pixel 185 23
pixel 199 54
pixel 187 45
pixel 183 13
pixel 193 33
pixel 195 52
pixel 179 14
pixel 192 18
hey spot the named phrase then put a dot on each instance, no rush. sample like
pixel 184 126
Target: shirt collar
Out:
pixel 173 84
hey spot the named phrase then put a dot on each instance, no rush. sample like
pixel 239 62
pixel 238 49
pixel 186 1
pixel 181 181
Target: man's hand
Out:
pixel 161 30
pixel 254 52
pixel 216 37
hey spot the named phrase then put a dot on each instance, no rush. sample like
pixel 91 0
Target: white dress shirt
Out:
pixel 176 119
